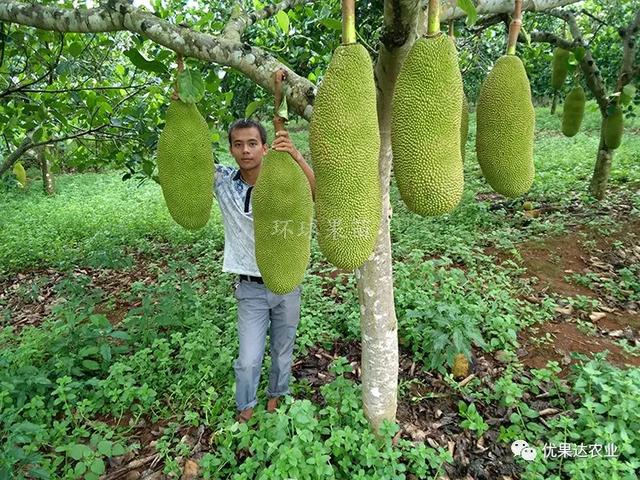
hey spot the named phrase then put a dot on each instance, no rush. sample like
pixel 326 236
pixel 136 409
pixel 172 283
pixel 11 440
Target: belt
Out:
pixel 249 278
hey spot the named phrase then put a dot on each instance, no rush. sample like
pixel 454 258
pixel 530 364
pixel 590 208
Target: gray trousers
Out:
pixel 259 310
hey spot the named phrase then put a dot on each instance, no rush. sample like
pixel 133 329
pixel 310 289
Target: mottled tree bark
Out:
pixel 48 184
pixel 600 177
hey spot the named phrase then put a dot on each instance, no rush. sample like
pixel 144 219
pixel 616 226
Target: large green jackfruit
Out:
pixel 282 219
pixel 573 111
pixel 344 140
pixel 559 67
pixel 464 126
pixel 185 165
pixel 613 126
pixel 505 128
pixel 426 127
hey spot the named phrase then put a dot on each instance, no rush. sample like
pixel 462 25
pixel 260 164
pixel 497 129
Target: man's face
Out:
pixel 247 147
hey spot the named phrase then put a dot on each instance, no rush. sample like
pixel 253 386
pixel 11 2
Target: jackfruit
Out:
pixel 20 173
pixel 460 368
pixel 613 127
pixel 426 127
pixel 505 128
pixel 573 111
pixel 464 125
pixel 282 219
pixel 185 165
pixel 344 140
pixel 559 67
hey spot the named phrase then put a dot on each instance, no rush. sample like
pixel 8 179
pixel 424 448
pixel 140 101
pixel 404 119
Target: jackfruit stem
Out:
pixel 514 28
pixel 180 62
pixel 348 22
pixel 433 18
pixel 278 121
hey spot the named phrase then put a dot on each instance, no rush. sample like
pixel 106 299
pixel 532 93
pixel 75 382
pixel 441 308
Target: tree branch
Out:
pixel 27 145
pixel 588 64
pixel 48 73
pixel 629 53
pixel 82 89
pixel 547 37
pixel 253 62
pixel 238 23
pixel 448 9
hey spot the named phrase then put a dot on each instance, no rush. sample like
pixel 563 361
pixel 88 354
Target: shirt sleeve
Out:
pixel 222 174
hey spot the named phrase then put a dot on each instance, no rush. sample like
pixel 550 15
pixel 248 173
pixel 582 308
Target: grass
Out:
pixel 65 382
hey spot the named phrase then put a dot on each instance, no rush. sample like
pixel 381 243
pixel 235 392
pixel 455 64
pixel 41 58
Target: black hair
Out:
pixel 248 123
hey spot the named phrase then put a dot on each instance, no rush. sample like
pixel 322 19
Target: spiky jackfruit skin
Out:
pixel 573 111
pixel 613 127
pixel 426 127
pixel 464 126
pixel 559 67
pixel 344 140
pixel 20 173
pixel 185 165
pixel 282 218
pixel 505 128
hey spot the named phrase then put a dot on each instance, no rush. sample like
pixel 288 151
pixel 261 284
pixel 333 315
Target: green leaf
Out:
pixel 143 64
pixel 117 450
pixel 252 107
pixel 97 466
pixel 283 111
pixel 283 21
pixel 76 49
pixel 120 335
pixel 76 451
pixel 527 36
pixel 190 86
pixel 469 8
pixel 81 468
pixel 104 447
pixel 90 365
pixel 88 351
pixel 578 53
pixel 331 24
pixel 628 93
pixel 105 351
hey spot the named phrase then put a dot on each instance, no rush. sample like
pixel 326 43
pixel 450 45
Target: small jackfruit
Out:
pixel 20 173
pixel 464 125
pixel 282 219
pixel 559 67
pixel 344 139
pixel 505 128
pixel 573 111
pixel 185 165
pixel 460 367
pixel 613 127
pixel 426 127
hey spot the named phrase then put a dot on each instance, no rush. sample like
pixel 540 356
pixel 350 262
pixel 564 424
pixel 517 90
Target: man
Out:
pixel 259 309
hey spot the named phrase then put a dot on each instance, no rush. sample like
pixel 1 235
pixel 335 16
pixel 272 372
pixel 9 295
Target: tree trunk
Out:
pixel 554 103
pixel 47 176
pixel 379 325
pixel 601 171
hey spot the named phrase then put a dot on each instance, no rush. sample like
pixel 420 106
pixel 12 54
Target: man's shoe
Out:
pixel 272 404
pixel 244 415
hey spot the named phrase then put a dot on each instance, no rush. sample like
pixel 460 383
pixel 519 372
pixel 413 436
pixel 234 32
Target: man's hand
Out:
pixel 283 143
